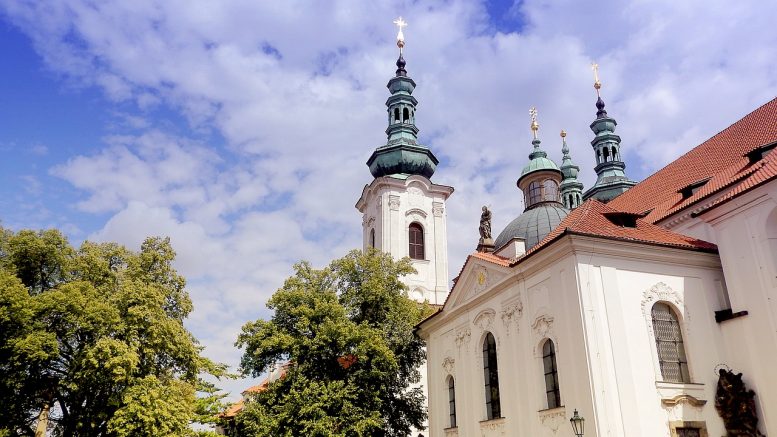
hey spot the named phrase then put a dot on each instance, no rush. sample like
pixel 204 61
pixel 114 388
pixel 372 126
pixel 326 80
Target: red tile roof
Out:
pixel 599 220
pixel 492 258
pixel 721 159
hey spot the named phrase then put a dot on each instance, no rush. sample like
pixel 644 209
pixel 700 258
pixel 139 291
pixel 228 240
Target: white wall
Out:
pixel 593 298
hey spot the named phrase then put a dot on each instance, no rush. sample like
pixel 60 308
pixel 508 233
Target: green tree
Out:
pixel 92 341
pixel 347 331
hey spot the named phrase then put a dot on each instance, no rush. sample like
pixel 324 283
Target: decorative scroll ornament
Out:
pixel 658 292
pixel 735 405
pixel 683 399
pixel 393 202
pixel 511 313
pixel 542 325
pixel 448 364
pixel 462 336
pixel 437 209
pixel 485 319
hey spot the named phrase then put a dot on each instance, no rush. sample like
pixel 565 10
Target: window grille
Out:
pixel 669 343
pixel 452 401
pixel 416 239
pixel 552 391
pixel 491 376
pixel 688 432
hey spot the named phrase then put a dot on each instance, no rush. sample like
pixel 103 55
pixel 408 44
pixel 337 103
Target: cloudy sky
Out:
pixel 241 128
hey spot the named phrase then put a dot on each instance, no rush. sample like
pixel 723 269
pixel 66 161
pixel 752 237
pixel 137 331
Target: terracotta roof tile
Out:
pixel 492 258
pixel 723 153
pixel 591 218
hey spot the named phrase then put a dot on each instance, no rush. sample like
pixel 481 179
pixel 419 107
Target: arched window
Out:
pixel 614 154
pixel 550 190
pixel 535 193
pixel 606 154
pixel 452 402
pixel 405 115
pixel 598 156
pixel 416 240
pixel 552 391
pixel 372 237
pixel 491 375
pixel 669 343
pixel 396 115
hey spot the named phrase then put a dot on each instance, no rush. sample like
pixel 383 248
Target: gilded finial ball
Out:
pixel 563 133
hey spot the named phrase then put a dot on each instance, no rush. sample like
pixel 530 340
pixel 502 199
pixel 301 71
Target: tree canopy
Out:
pixel 92 340
pixel 347 332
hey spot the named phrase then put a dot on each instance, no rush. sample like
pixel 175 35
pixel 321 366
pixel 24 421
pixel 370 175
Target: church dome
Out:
pixel 533 225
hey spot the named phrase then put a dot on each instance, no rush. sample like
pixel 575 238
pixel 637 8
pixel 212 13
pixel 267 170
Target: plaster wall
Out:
pixel 389 206
pixel 594 304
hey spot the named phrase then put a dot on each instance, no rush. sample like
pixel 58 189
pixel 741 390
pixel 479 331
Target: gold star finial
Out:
pixel 534 125
pixel 597 83
pixel 401 23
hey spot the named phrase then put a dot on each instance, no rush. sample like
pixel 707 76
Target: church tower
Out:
pixel 571 188
pixel 403 211
pixel 610 169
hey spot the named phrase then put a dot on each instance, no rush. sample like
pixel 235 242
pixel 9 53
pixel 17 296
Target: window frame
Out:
pixel 675 345
pixel 491 378
pixel 451 402
pixel 413 246
pixel 550 368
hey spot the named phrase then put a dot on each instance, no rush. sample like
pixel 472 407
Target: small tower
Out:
pixel 403 212
pixel 539 182
pixel 610 169
pixel 571 188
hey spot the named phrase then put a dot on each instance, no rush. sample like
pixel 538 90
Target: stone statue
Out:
pixel 485 225
pixel 736 406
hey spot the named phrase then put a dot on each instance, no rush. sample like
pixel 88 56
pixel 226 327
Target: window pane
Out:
pixel 669 344
pixel 491 377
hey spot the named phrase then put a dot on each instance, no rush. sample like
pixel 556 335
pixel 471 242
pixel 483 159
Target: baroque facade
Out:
pixel 634 304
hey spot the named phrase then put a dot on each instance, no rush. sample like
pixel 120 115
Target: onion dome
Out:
pixel 571 188
pixel 402 155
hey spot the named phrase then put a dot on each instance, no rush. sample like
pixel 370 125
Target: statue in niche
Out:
pixel 486 243
pixel 736 406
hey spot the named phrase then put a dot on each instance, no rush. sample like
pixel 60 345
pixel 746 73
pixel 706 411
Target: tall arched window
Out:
pixel 405 115
pixel 452 402
pixel 669 343
pixel 552 391
pixel 372 237
pixel 606 154
pixel 396 115
pixel 491 376
pixel 416 240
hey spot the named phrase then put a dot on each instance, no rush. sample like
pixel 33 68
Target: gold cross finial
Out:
pixel 401 23
pixel 597 84
pixel 534 125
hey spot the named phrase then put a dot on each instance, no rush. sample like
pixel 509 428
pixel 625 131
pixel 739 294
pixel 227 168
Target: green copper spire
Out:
pixel 538 159
pixel 571 188
pixel 610 170
pixel 402 155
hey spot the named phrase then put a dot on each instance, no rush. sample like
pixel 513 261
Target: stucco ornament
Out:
pixel 448 364
pixel 371 222
pixel 542 325
pixel 658 292
pixel 437 209
pixel 481 278
pixel 552 419
pixel 394 202
pixel 511 313
pixel 484 319
pixel 462 336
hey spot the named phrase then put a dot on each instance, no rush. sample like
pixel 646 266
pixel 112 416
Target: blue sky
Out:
pixel 241 129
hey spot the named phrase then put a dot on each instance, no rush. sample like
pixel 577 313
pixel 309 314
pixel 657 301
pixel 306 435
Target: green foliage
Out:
pixel 97 334
pixel 347 331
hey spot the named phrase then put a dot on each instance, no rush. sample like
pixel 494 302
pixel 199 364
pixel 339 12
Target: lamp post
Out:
pixel 577 422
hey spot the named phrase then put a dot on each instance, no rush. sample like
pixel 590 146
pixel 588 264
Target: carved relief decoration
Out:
pixel 736 405
pixel 665 293
pixel 448 365
pixel 437 209
pixel 494 427
pixel 481 278
pixel 511 313
pixel 552 419
pixel 416 211
pixel 370 222
pixel 462 336
pixel 484 319
pixel 683 399
pixel 543 325
pixel 393 202
pixel 415 196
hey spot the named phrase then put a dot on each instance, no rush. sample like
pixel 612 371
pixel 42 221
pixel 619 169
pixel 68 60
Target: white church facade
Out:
pixel 634 305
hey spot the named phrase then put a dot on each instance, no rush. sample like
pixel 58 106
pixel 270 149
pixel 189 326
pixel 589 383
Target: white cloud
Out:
pixel 297 91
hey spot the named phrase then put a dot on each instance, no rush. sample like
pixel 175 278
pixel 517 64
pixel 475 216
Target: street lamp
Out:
pixel 577 424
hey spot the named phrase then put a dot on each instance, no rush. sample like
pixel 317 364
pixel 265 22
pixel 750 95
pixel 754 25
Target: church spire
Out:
pixel 402 155
pixel 571 188
pixel 610 169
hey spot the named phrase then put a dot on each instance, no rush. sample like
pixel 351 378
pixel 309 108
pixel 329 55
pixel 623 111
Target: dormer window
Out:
pixel 692 188
pixel 760 152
